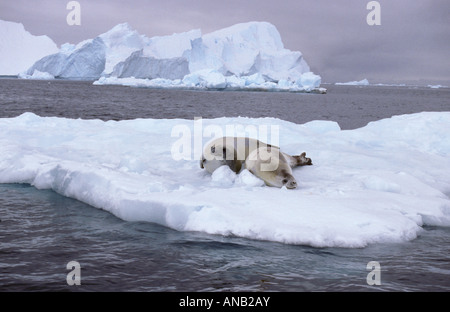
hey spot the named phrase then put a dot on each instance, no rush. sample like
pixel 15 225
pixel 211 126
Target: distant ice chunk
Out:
pixel 206 78
pixel 436 86
pixel 363 82
pixel 37 75
pixel 309 81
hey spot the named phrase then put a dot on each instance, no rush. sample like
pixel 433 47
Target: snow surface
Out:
pixel 19 49
pixel 379 183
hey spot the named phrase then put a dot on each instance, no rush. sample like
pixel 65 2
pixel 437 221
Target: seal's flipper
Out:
pixel 302 160
pixel 298 160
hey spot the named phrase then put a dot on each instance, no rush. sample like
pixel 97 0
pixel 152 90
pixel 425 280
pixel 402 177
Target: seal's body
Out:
pixel 264 160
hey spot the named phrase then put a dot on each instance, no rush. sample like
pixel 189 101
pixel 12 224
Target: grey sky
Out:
pixel 411 44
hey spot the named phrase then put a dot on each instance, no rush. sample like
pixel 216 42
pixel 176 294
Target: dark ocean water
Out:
pixel 41 231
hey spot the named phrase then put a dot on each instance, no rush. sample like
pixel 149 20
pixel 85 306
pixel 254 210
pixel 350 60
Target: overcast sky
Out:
pixel 412 43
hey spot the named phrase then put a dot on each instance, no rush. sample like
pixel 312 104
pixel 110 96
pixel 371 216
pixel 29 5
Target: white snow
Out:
pixel 379 183
pixel 363 82
pixel 19 49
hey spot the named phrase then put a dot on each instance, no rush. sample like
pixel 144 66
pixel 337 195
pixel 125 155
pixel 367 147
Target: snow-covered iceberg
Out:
pixel 19 49
pixel 235 55
pixel 379 183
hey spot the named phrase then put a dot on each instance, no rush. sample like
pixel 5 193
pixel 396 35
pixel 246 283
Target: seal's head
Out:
pixel 289 181
pixel 284 178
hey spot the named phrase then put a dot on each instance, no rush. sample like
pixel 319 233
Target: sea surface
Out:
pixel 41 231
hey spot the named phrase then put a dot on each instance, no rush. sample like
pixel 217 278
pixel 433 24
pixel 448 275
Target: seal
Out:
pixel 264 160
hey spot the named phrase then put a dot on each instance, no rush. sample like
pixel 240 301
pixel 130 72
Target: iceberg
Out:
pixel 363 82
pixel 247 55
pixel 19 49
pixel 37 75
pixel 376 184
pixel 243 56
pixel 436 86
pixel 309 81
